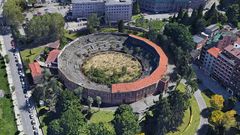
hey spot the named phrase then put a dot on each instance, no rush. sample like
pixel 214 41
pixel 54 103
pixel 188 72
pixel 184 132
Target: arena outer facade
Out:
pixel 75 53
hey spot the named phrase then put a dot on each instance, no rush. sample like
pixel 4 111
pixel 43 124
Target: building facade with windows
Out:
pixel 222 62
pixel 112 10
pixel 169 5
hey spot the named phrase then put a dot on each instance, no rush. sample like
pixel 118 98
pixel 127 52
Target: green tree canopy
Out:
pixel 100 129
pixel 12 13
pixel 45 28
pixel 125 121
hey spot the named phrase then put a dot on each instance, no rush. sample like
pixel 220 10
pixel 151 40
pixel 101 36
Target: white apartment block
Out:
pixel 113 10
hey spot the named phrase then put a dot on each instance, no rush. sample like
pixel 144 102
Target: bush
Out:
pixel 6 58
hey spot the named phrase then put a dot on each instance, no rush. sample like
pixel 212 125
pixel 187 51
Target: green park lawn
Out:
pixel 7 120
pixel 26 56
pixel 102 116
pixel 135 17
pixel 184 128
pixel 206 98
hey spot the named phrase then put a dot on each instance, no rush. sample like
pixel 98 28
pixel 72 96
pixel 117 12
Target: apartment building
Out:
pixel 84 8
pixel 169 5
pixel 221 60
pixel 112 10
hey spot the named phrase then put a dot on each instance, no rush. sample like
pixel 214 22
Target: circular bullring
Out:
pixel 129 67
pixel 112 67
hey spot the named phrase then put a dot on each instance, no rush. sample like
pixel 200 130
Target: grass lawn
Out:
pixel 71 36
pixel 184 125
pixel 191 130
pixel 25 54
pixel 102 116
pixel 206 98
pixel 7 122
pixel 181 87
pixel 108 30
pixel 184 129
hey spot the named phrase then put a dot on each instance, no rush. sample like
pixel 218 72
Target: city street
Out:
pixel 24 115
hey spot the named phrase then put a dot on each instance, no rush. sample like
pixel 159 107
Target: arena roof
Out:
pixel 147 81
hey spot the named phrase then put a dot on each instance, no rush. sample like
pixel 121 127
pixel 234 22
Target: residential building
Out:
pixel 36 72
pixel 112 10
pixel 169 5
pixel 212 30
pixel 52 58
pixel 221 60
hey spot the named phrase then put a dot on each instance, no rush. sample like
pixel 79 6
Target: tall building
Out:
pixel 221 60
pixel 169 5
pixel 112 10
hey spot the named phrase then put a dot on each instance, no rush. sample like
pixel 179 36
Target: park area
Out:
pixel 7 120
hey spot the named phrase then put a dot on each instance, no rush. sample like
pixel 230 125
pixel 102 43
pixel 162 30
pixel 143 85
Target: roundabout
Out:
pixel 119 68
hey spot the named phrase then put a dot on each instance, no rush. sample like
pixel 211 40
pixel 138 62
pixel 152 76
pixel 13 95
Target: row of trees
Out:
pixel 221 119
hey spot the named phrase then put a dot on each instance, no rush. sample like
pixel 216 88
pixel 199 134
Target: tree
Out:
pixel 217 102
pixel 89 102
pixel 222 120
pixel 69 124
pixel 54 128
pixel 99 101
pixel 229 119
pixel 100 129
pixel 45 28
pixel 212 15
pixel 79 91
pixel 67 100
pixel 198 26
pixel 93 23
pixel 233 14
pixel 136 8
pixel 185 19
pixel 125 121
pixel 12 13
pixel 180 35
pixel 121 26
pixel 180 15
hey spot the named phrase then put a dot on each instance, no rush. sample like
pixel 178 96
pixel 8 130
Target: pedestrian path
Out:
pixel 202 105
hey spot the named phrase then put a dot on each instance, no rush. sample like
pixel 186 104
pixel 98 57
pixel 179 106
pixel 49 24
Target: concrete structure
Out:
pixel 112 10
pixel 151 80
pixel 169 5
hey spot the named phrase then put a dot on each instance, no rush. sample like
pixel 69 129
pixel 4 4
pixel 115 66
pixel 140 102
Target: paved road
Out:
pixel 20 96
pixel 202 105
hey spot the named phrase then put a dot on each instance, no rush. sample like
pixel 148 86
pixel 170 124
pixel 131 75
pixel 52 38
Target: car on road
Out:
pixel 34 127
pixel 35 133
pixel 33 122
pixel 31 116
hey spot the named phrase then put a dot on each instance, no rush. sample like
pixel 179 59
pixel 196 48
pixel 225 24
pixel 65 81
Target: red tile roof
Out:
pixel 54 45
pixel 52 56
pixel 154 78
pixel 214 51
pixel 35 69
